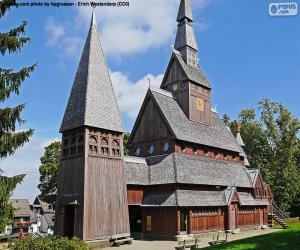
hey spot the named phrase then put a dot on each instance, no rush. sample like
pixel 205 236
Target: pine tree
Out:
pixel 10 83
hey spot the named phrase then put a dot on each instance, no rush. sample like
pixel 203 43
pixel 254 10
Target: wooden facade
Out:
pixel 92 193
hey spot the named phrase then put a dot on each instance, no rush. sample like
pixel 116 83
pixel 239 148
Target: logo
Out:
pixel 283 9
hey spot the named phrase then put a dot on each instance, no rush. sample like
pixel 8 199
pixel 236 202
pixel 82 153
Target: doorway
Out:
pixel 183 221
pixel 69 220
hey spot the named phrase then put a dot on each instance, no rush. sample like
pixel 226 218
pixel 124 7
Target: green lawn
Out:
pixel 288 239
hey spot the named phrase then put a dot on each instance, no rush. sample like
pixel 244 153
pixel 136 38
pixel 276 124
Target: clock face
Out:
pixel 175 86
pixel 200 104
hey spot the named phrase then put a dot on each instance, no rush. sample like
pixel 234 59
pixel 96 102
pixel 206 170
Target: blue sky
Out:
pixel 246 54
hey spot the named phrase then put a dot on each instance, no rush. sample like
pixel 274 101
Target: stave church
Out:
pixel 187 173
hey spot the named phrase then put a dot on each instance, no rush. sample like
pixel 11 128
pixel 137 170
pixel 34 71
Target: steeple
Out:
pixel 92 101
pixel 185 40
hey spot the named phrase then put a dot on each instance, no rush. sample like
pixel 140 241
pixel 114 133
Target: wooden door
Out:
pixel 69 219
pixel 183 221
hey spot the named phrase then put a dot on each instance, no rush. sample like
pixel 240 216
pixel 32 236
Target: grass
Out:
pixel 288 239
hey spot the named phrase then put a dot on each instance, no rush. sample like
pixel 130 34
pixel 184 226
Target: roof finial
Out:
pixel 94 21
pixel 149 82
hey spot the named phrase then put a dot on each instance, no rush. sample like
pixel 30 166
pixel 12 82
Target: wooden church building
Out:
pixel 187 172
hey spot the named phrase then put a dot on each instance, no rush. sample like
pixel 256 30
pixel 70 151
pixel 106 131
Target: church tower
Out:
pixel 92 199
pixel 183 77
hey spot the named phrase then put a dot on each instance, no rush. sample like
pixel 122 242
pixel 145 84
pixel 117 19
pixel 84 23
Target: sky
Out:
pixel 246 54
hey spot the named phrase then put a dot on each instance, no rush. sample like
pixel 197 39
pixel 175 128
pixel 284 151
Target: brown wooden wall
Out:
pixel 70 188
pixel 163 221
pixel 135 195
pixel 207 219
pixel 106 209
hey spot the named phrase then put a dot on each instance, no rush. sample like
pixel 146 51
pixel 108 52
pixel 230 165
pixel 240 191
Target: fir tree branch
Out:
pixel 9 117
pixel 10 81
pixel 5 6
pixel 11 41
pixel 10 142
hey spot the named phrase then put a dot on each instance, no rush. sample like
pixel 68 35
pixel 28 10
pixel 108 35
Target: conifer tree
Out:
pixel 11 41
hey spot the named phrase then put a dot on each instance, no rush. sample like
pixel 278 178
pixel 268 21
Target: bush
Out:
pixel 48 243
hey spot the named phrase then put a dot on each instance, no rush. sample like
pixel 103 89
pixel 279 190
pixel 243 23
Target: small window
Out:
pixel 93 140
pixel 115 143
pixel 137 151
pixel 104 141
pixel 151 149
pixel 166 147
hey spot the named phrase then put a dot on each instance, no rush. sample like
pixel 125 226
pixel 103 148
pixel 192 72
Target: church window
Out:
pixel 137 151
pixel 175 86
pixel 93 140
pixel 166 147
pixel 80 138
pixel 115 143
pixel 195 150
pixel 104 141
pixel 73 151
pixel 73 140
pixel 66 142
pixel 151 149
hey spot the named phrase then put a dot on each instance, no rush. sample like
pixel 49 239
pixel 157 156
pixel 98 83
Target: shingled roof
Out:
pixel 185 169
pixel 92 94
pixel 185 198
pixel 215 135
pixel 22 209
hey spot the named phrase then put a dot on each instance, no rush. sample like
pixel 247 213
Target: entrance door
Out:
pixel 183 221
pixel 69 221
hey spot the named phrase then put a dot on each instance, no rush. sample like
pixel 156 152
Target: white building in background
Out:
pixel 46 215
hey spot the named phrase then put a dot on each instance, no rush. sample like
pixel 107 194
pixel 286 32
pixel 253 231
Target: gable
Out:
pixel 174 72
pixel 150 124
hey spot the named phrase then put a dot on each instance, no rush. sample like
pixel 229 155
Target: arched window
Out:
pixel 104 142
pixel 115 143
pixel 151 149
pixel 93 140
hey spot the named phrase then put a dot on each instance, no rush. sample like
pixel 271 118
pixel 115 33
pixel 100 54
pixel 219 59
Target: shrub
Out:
pixel 48 243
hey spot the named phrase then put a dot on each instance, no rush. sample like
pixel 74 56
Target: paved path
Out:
pixel 169 245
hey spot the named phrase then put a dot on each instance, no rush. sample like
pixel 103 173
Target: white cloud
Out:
pixel 130 95
pixel 144 25
pixel 60 37
pixel 26 161
pixel 54 30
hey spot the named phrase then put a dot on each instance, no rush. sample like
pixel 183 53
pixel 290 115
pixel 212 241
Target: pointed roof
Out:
pixel 92 101
pixel 184 11
pixel 193 74
pixel 185 34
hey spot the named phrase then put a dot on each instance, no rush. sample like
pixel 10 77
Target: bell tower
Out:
pixel 92 198
pixel 184 77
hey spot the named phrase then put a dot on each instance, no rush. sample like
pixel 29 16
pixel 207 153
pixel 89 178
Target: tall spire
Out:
pixel 185 40
pixel 93 21
pixel 185 11
pixel 92 101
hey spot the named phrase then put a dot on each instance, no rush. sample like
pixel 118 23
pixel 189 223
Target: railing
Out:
pixel 279 211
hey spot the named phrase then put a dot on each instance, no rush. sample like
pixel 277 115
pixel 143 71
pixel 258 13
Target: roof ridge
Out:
pixel 162 92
